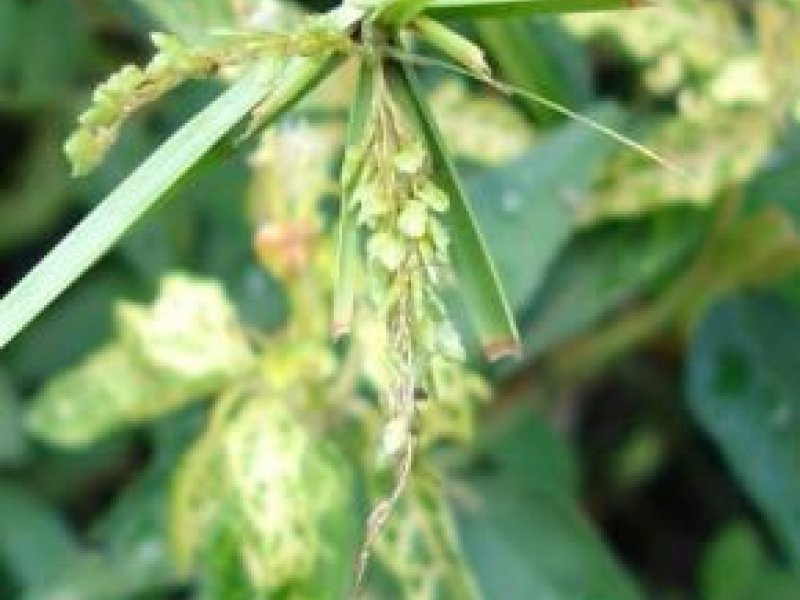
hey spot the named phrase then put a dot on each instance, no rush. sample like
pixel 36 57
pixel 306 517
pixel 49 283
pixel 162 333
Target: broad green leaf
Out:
pixel 133 532
pixel 750 252
pixel 744 390
pixel 478 282
pixel 110 391
pixel 188 345
pixel 602 268
pixel 510 8
pixel 732 565
pixel 35 543
pixel 190 334
pixel 528 208
pixel 14 448
pixel 95 235
pixel 260 503
pixel 738 253
pixel 10 15
pixel 224 577
pixel 777 184
pixel 132 556
pixel 96 575
pixel 526 445
pixel 522 530
pixel 736 567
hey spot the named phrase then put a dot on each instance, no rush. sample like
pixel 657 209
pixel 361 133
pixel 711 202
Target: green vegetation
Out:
pixel 438 300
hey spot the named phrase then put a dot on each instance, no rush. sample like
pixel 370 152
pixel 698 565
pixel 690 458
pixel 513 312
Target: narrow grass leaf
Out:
pixel 400 12
pixel 98 232
pixel 297 78
pixel 510 8
pixel 478 281
pixel 347 249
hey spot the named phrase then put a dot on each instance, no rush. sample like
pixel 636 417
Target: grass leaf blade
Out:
pixel 511 8
pixel 98 232
pixel 479 284
pixel 347 247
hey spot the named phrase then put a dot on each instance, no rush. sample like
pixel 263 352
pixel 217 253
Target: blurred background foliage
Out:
pixel 646 446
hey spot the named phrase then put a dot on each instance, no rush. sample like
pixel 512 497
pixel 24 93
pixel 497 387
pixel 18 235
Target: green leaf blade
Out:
pixel 511 8
pixel 35 543
pixel 478 282
pixel 538 55
pixel 744 391
pixel 603 268
pixel 523 533
pixel 98 232
pixel 528 208
pixel 264 87
pixel 347 246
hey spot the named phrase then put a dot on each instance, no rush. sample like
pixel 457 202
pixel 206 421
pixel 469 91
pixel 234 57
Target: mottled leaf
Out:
pixel 187 345
pixel 191 333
